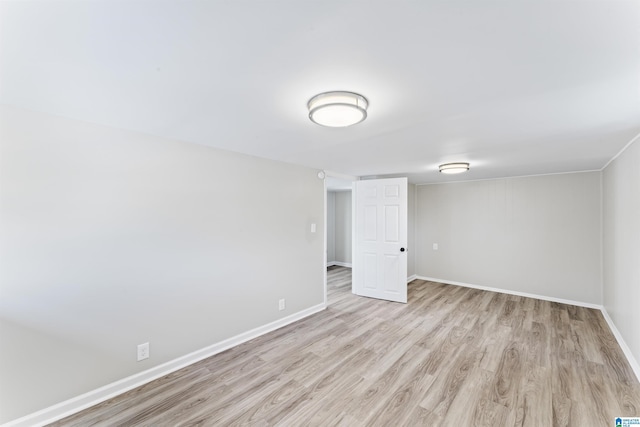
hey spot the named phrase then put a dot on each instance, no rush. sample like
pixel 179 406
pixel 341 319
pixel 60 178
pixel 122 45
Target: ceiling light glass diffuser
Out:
pixel 338 109
pixel 451 168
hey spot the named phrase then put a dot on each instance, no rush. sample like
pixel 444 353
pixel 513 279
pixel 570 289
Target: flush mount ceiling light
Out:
pixel 337 109
pixel 452 168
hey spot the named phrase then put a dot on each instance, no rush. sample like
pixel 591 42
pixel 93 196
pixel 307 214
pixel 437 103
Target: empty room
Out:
pixel 299 213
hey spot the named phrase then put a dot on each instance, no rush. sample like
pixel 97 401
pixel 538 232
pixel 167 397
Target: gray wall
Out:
pixel 538 235
pixel 112 238
pixel 343 223
pixel 621 211
pixel 411 230
pixel 331 226
pixel 339 225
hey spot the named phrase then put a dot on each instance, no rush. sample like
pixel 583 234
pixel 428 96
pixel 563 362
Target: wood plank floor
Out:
pixel 452 356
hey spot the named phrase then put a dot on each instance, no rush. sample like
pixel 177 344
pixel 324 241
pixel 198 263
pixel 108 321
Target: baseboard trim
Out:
pixel 520 294
pixel 623 345
pixel 339 264
pixel 76 404
pixel 411 278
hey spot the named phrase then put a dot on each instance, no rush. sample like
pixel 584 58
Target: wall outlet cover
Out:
pixel 143 351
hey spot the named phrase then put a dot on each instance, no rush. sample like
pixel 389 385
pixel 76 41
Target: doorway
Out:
pixel 381 251
pixel 338 228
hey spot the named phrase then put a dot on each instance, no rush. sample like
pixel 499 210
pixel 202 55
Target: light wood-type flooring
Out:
pixel 452 356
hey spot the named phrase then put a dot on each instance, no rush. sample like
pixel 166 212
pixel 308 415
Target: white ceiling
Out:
pixel 513 87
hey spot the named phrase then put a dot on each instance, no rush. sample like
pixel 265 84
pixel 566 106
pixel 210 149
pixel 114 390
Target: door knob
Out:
pixel 401 249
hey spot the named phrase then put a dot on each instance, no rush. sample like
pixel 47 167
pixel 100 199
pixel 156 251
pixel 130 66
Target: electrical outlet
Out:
pixel 143 351
pixel 435 246
pixel 281 304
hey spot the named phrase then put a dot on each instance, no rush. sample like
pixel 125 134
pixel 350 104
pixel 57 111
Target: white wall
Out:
pixel 539 235
pixel 331 227
pixel 621 254
pixel 343 224
pixel 112 238
pixel 411 230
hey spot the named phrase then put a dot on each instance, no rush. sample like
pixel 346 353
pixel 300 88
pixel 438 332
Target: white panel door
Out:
pixel 380 255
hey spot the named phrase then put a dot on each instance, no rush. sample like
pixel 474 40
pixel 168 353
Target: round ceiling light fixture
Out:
pixel 337 109
pixel 451 168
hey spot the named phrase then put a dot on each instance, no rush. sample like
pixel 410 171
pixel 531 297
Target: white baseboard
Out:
pixel 411 278
pixel 76 404
pixel 623 345
pixel 509 292
pixel 339 264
